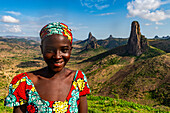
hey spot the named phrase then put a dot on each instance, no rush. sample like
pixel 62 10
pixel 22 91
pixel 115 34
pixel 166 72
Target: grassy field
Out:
pixel 105 74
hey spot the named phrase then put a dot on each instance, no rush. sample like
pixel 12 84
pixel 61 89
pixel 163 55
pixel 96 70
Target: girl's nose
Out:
pixel 57 54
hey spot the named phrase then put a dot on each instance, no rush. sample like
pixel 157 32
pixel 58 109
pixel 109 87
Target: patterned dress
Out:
pixel 22 91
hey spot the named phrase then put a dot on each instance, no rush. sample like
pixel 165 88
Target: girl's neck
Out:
pixel 48 73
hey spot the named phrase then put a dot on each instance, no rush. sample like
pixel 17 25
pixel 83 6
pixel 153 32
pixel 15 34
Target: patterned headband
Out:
pixel 56 28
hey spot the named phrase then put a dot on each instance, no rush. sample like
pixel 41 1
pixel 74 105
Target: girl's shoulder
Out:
pixel 19 77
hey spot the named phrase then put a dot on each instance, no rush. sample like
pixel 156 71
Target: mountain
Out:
pixel 137 43
pixel 109 43
pixel 18 43
pixel 91 43
pixel 23 37
pixel 163 44
pixel 164 37
pixel 142 76
pixel 114 72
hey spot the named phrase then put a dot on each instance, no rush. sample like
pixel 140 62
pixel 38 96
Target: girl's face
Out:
pixel 56 50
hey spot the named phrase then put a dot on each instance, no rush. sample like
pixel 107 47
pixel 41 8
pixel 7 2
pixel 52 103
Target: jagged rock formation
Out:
pixel 137 43
pixel 92 45
pixel 110 37
pixel 91 38
pixel 91 42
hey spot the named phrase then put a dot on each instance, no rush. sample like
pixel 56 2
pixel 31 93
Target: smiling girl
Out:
pixel 52 89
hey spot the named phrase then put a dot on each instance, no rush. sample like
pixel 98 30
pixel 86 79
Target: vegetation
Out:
pixel 111 73
pixel 100 104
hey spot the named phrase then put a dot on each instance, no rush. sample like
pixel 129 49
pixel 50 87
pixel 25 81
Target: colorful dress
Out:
pixel 22 91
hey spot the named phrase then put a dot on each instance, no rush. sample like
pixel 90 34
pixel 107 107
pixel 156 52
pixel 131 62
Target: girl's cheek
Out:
pixel 47 55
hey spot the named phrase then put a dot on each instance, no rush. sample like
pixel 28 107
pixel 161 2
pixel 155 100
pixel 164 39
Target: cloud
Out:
pixel 13 12
pixel 148 9
pixel 96 4
pixel 9 19
pixel 156 27
pixel 159 23
pixel 148 24
pixel 11 28
pixel 100 7
pixel 104 14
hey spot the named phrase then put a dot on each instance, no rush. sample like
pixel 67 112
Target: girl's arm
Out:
pixel 20 109
pixel 83 108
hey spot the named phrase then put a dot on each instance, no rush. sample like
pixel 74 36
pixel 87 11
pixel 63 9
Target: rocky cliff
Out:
pixel 91 42
pixel 137 43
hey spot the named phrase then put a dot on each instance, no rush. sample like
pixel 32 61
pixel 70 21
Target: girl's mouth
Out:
pixel 58 63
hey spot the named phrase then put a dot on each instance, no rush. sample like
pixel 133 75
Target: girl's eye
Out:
pixel 49 51
pixel 65 50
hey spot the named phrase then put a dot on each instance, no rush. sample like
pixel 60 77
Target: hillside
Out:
pixel 142 79
pixel 163 44
pixel 145 78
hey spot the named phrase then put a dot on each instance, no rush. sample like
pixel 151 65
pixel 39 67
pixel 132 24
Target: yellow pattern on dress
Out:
pixel 19 81
pixel 60 107
pixel 81 84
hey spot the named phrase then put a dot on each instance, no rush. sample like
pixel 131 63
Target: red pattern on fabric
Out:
pixel 31 109
pixel 85 91
pixel 17 78
pixel 51 104
pixel 64 24
pixel 20 91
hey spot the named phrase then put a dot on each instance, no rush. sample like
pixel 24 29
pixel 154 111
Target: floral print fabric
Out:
pixel 22 91
pixel 56 28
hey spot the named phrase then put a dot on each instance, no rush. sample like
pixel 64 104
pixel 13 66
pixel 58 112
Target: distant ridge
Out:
pixel 23 37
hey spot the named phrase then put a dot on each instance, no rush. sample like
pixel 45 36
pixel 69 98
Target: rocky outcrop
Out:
pixel 91 38
pixel 110 37
pixel 137 43
pixel 91 42
pixel 92 45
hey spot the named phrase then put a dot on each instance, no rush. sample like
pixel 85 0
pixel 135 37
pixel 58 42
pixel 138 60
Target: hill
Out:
pixel 163 44
pixel 143 78
pixel 140 76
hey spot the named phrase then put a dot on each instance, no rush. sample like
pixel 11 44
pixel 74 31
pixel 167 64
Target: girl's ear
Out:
pixel 41 49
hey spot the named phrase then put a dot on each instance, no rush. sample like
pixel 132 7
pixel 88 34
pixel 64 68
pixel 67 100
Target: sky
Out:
pixel 101 17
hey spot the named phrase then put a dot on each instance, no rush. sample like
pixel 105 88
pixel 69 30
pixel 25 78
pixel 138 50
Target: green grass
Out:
pixel 151 52
pixel 101 104
pixel 4 109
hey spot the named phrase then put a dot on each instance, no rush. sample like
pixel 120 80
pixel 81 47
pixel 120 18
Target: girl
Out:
pixel 53 89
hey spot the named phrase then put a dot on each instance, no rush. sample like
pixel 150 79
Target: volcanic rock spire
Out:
pixel 91 42
pixel 137 43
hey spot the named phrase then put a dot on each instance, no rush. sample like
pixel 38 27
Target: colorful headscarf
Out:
pixel 56 28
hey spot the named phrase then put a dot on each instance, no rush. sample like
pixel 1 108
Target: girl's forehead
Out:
pixel 56 39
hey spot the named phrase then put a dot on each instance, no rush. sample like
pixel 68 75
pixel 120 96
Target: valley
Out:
pixel 123 75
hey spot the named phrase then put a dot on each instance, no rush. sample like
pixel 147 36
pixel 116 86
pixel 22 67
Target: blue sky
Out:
pixel 101 17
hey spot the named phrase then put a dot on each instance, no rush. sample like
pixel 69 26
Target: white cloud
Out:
pixel 13 12
pixel 100 7
pixel 104 14
pixel 159 23
pixel 88 5
pixel 148 24
pixel 147 9
pixel 11 28
pixel 96 4
pixel 9 19
pixel 156 27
